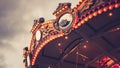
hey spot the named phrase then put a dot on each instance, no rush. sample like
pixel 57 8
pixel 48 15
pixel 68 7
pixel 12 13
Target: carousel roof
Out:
pixel 84 46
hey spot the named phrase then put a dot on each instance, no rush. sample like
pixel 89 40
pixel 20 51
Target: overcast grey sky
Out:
pixel 16 20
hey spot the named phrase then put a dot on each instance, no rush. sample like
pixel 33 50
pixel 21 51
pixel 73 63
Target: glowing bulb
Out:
pixel 48 66
pixel 116 5
pixel 32 63
pixel 110 14
pixel 82 22
pixel 84 46
pixel 75 27
pixel 90 16
pixel 105 9
pixel 66 6
pixel 60 10
pixel 79 24
pixel 39 48
pixel 86 19
pixel 66 37
pixel 42 27
pixel 59 44
pixel 80 0
pixel 99 11
pixel 57 12
pixel 95 14
pixel 77 53
pixel 110 7
pixel 63 8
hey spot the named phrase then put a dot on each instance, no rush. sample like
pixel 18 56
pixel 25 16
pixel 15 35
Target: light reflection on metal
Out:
pixel 81 55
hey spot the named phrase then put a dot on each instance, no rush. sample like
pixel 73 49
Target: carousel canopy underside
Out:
pixel 84 45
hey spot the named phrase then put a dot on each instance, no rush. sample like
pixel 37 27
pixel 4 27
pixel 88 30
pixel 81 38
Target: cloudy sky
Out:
pixel 16 20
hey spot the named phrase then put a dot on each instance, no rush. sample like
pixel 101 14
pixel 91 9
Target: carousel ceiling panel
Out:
pixel 85 31
pixel 103 43
pixel 45 62
pixel 114 38
pixel 90 50
pixel 58 46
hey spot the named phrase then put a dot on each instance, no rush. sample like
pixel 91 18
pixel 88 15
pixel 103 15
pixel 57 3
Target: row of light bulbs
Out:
pixel 36 26
pixel 95 13
pixel 40 46
pixel 61 10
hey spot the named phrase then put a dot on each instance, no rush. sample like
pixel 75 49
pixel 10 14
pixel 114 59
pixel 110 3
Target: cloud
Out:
pixel 7 6
pixel 10 21
pixel 5 45
pixel 2 63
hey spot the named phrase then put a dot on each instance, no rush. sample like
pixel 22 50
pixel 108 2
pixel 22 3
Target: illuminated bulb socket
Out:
pixel 90 16
pixel 116 5
pixel 47 40
pixel 43 45
pixel 60 10
pixel 61 35
pixel 57 36
pixel 86 19
pixel 76 27
pixel 95 14
pixel 66 7
pixel 66 37
pixel 32 63
pixel 110 14
pixel 57 12
pixel 52 37
pixel 37 51
pixel 99 11
pixel 80 0
pixel 82 22
pixel 118 28
pixel 39 48
pixel 105 9
pixel 79 24
pixel 110 7
pixel 63 8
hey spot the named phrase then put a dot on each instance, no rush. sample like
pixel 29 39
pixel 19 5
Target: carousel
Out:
pixel 86 36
